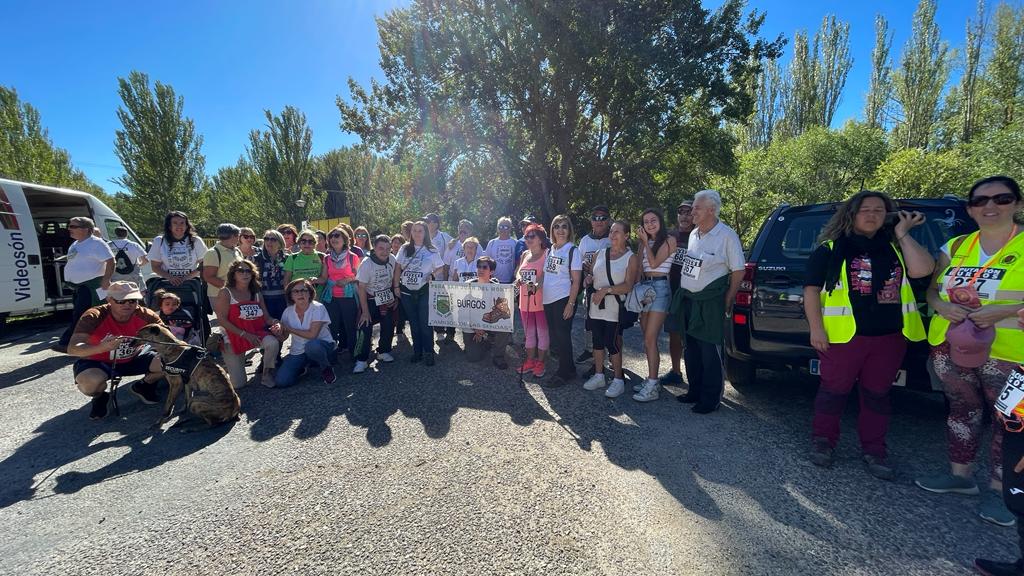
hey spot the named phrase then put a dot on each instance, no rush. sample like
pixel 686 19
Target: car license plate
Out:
pixel 815 367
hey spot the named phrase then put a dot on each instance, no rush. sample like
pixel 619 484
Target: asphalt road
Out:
pixel 459 469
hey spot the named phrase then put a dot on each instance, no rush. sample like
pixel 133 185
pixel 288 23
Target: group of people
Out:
pixel 326 290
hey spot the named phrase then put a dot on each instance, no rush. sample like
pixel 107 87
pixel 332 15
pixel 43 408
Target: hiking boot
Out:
pixel 947 483
pixel 499 312
pixel 995 568
pixel 993 509
pixel 594 382
pixel 99 406
pixel 821 452
pixel 671 379
pixel 648 393
pixel 878 467
pixel 145 391
pixel 584 356
pixel 617 387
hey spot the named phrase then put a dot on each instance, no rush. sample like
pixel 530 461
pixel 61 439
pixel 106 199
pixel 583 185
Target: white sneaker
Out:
pixel 385 357
pixel 640 386
pixel 648 393
pixel 596 381
pixel 616 389
pixel 359 368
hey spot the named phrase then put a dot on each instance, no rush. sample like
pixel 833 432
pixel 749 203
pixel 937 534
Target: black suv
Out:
pixel 769 329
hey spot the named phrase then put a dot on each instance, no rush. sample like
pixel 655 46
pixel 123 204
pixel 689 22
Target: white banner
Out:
pixel 471 306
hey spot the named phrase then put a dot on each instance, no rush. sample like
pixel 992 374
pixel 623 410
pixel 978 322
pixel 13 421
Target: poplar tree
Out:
pixel 918 83
pixel 880 87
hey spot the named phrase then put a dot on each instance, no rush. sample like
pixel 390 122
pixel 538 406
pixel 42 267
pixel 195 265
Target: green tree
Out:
pixel 880 87
pixel 800 100
pixel 832 46
pixel 1003 82
pixel 918 84
pixel 281 156
pixel 28 154
pixel 237 194
pixel 160 151
pixel 563 96
pixel 917 173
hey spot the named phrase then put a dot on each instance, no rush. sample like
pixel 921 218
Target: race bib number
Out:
pixel 125 349
pixel 1012 394
pixel 464 276
pixel 412 279
pixel 528 275
pixel 986 285
pixel 679 256
pixel 250 311
pixel 383 297
pixel 691 267
pixel 180 272
pixel 554 264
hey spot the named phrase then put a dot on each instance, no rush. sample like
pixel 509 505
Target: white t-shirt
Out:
pixel 134 253
pixel 454 253
pixel 416 269
pixel 619 267
pixel 87 259
pixel 711 256
pixel 440 242
pixel 504 254
pixel 557 272
pixel 178 260
pixel 463 271
pixel 376 279
pixel 316 312
pixel 590 246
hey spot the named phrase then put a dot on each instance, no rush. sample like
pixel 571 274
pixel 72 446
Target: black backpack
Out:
pixel 123 264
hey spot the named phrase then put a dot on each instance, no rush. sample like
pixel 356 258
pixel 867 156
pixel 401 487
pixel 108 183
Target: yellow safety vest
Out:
pixel 837 312
pixel 1001 283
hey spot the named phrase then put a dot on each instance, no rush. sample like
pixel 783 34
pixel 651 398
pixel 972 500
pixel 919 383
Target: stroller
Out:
pixel 192 293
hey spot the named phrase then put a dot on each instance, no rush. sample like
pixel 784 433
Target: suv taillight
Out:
pixel 745 295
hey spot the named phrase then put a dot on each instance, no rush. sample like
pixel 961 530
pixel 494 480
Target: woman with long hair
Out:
pixel 242 314
pixel 247 243
pixel 361 240
pixel 861 311
pixel 269 260
pixel 563 277
pixel 176 254
pixel 976 295
pixel 418 263
pixel 656 247
pixel 614 270
pixel 530 279
pixel 340 293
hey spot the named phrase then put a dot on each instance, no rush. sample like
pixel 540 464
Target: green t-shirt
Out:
pixel 303 265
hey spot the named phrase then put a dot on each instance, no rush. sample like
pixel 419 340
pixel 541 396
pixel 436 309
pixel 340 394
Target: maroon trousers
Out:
pixel 872 363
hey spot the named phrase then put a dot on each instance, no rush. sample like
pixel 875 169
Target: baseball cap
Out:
pixel 432 216
pixel 684 204
pixel 529 218
pixel 600 208
pixel 123 290
pixel 969 346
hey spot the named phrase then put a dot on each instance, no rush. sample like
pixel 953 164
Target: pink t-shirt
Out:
pixel 532 272
pixel 344 268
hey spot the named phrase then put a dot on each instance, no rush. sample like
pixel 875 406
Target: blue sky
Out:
pixel 230 60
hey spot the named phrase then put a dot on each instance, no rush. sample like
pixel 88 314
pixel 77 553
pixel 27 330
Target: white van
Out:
pixel 34 232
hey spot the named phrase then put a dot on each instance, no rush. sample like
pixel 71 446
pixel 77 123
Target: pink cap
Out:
pixel 969 346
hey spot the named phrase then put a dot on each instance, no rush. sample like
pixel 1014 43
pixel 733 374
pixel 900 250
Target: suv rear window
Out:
pixel 794 236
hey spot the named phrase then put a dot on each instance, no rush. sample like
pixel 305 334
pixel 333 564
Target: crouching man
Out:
pixel 480 342
pixel 102 341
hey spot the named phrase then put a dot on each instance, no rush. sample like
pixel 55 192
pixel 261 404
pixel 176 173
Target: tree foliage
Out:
pixel 918 83
pixel 159 149
pixel 880 87
pixel 566 97
pixel 281 156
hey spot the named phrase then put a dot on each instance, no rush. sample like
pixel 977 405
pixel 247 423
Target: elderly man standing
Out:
pixel 90 264
pixel 220 257
pixel 710 276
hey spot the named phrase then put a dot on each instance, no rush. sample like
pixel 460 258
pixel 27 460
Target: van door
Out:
pixel 21 277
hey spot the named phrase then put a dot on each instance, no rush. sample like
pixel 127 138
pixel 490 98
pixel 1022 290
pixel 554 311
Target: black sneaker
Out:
pixel 584 356
pixel 99 406
pixel 994 568
pixel 878 467
pixel 687 399
pixel 698 409
pixel 145 391
pixel 671 378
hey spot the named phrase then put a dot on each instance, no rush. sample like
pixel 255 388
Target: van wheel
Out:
pixel 739 373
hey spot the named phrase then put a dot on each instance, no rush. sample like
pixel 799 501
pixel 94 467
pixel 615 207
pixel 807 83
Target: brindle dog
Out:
pixel 208 391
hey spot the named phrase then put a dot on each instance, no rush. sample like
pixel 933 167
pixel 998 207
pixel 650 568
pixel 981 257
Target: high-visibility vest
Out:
pixel 837 311
pixel 1001 283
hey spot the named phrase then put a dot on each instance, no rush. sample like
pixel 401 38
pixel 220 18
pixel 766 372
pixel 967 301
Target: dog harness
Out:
pixel 186 363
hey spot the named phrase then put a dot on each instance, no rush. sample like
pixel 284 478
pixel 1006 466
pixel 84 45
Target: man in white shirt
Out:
pixel 89 266
pixel 129 258
pixel 714 262
pixel 590 245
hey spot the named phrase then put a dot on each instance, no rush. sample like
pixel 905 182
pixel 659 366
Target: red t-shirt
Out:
pixel 99 323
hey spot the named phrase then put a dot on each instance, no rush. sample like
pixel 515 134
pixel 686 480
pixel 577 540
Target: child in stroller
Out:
pixel 183 309
pixel 179 320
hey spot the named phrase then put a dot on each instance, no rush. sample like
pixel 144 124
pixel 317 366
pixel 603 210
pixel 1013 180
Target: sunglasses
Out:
pixel 300 291
pixel 249 236
pixel 560 227
pixel 598 218
pixel 289 233
pixel 504 227
pixel 531 236
pixel 75 227
pixel 243 271
pixel 333 236
pixel 132 302
pixel 362 236
pixel 1004 199
pixel 307 241
pixel 269 239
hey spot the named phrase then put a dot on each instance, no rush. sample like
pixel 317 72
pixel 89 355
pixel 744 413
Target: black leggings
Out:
pixel 606 335
pixel 560 333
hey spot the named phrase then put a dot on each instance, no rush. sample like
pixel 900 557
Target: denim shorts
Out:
pixel 663 294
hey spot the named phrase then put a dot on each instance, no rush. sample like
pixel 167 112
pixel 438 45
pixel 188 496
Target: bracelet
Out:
pixel 900 238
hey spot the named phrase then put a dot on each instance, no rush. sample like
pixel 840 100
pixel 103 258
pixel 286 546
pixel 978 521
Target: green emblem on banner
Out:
pixel 443 304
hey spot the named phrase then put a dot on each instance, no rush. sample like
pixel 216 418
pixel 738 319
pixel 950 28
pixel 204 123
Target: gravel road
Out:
pixel 460 469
